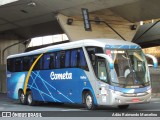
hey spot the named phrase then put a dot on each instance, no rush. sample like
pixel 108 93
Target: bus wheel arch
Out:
pixel 22 97
pixel 88 99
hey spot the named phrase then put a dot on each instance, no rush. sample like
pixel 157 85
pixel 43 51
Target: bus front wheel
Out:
pixel 22 98
pixel 30 100
pixel 89 102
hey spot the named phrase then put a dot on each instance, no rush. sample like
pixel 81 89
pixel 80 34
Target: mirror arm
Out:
pixel 108 58
pixel 154 59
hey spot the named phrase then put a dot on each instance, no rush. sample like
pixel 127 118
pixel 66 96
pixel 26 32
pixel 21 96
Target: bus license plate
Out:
pixel 135 100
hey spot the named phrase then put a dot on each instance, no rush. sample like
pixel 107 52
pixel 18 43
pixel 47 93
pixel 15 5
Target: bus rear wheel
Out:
pixel 123 107
pixel 89 102
pixel 30 100
pixel 22 98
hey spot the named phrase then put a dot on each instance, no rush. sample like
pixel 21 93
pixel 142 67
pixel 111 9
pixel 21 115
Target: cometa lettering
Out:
pixel 61 76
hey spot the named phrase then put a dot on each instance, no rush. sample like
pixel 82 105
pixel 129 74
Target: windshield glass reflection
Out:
pixel 130 66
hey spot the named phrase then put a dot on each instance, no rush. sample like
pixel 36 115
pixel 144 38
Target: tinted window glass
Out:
pixel 57 61
pixel 26 63
pixel 18 64
pixel 62 59
pixel 74 58
pixel 46 61
pixel 37 65
pixel 67 59
pixel 92 51
pixel 10 65
pixel 82 60
pixel 52 61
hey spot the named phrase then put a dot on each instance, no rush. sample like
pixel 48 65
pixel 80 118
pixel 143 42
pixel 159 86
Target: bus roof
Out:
pixel 101 42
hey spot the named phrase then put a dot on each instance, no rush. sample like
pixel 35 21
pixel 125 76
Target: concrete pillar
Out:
pixel 9 51
pixel 5 41
pixel 76 30
pixel 3 88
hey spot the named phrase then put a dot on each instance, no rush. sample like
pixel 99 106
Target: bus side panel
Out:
pixel 41 86
pixel 15 81
pixel 59 85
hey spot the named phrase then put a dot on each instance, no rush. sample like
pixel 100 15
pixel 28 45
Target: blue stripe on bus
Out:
pixel 129 90
pixel 122 47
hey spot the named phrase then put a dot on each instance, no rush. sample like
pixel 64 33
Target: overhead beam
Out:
pixel 148 35
pixel 4 2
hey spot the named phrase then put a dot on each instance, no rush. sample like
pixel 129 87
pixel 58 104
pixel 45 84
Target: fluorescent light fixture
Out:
pixel 32 4
pixel 4 2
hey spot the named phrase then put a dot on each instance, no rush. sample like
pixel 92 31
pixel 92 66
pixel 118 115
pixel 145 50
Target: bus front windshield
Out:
pixel 130 67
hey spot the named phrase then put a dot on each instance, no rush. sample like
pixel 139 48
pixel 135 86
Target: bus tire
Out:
pixel 123 107
pixel 22 98
pixel 89 101
pixel 30 100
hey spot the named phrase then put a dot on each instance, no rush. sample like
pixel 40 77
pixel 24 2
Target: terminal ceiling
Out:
pixel 31 18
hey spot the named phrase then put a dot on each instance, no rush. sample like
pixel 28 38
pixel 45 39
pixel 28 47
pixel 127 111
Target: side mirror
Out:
pixel 108 58
pixel 154 59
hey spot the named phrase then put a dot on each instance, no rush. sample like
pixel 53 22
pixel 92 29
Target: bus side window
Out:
pixel 102 73
pixel 57 61
pixel 38 64
pixel 62 59
pixel 67 59
pixel 74 58
pixel 52 61
pixel 46 60
pixel 91 53
pixel 82 60
pixel 26 63
pixel 10 65
pixel 18 64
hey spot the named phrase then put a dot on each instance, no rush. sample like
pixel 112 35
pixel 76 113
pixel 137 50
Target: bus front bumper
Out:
pixel 115 98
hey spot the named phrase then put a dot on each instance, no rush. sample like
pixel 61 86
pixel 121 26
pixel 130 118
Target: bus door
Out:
pixel 103 68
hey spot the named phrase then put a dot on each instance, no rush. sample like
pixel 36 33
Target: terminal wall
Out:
pixel 3 88
pixel 76 31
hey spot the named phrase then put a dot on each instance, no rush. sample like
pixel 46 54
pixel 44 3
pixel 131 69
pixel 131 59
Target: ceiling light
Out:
pixel 69 21
pixel 133 27
pixel 32 4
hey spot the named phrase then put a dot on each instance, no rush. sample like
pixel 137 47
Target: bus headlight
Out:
pixel 116 92
pixel 149 91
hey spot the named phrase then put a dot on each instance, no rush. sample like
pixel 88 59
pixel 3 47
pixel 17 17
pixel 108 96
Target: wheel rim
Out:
pixel 22 98
pixel 29 99
pixel 89 101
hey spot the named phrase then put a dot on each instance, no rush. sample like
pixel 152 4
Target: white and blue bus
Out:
pixel 93 72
